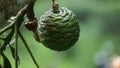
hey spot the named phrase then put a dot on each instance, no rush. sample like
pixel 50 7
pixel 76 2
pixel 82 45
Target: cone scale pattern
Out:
pixel 59 31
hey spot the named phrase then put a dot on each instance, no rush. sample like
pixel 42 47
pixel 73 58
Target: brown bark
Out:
pixel 10 8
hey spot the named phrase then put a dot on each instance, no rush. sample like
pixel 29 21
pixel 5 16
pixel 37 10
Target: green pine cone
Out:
pixel 59 31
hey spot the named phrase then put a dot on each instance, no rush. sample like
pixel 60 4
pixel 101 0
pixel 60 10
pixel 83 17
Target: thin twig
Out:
pixel 55 6
pixel 11 43
pixel 6 28
pixel 2 39
pixel 16 48
pixel 26 45
pixel 7 40
pixel 30 10
pixel 53 1
pixel 18 21
pixel 16 25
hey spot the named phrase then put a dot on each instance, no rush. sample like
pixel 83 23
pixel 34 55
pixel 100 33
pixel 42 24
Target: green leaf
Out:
pixel 13 54
pixel 1 61
pixel 12 51
pixel 6 63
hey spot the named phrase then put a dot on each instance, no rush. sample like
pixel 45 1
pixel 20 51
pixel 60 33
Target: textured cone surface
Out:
pixel 59 31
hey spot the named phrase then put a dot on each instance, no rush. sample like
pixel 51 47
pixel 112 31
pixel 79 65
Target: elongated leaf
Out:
pixel 13 54
pixel 1 61
pixel 12 51
pixel 6 63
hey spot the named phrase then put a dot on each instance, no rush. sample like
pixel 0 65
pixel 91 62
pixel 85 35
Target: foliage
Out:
pixel 99 21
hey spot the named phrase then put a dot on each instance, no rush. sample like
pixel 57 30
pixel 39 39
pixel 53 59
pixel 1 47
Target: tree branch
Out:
pixel 15 29
pixel 26 45
pixel 6 41
pixel 10 8
pixel 6 28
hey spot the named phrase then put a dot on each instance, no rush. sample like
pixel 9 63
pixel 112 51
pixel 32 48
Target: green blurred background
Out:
pixel 98 41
